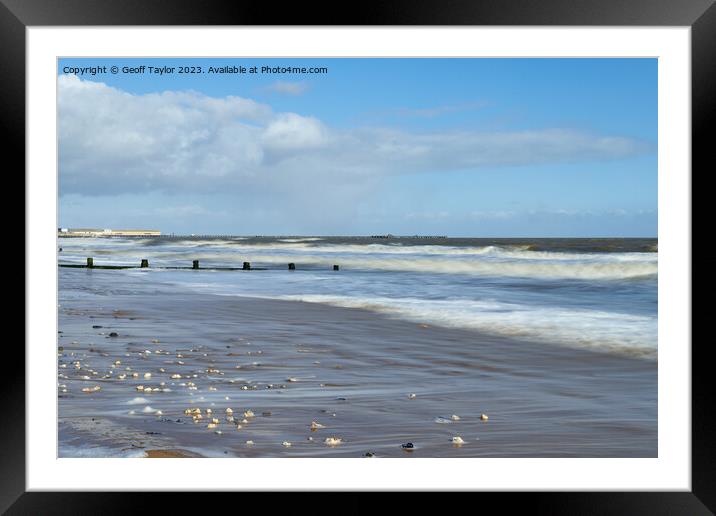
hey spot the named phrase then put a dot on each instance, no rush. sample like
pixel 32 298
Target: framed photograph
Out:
pixel 437 249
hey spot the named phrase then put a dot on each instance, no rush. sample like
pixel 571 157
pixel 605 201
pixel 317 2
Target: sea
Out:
pixel 597 294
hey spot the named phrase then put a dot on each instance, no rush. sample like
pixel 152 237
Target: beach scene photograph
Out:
pixel 357 258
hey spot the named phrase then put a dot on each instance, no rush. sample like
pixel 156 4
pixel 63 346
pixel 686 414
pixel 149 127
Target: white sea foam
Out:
pixel 610 331
pixel 88 451
pixel 137 401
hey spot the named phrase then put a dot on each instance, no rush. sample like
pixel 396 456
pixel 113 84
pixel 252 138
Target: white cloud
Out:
pixel 186 142
pixel 288 88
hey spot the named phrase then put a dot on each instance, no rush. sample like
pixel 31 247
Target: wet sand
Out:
pixel 353 371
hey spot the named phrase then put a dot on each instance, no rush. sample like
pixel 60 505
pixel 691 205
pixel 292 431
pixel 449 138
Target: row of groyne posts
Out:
pixel 144 264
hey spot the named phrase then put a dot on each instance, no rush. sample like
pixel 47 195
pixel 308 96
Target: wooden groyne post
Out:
pixel 335 267
pixel 195 264
pixel 247 266
pixel 144 264
pixel 292 266
pixel 90 263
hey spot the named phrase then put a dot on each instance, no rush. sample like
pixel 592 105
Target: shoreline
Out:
pixel 349 369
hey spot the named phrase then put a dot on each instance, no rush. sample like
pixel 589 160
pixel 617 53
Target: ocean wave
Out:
pixel 628 334
pixel 491 260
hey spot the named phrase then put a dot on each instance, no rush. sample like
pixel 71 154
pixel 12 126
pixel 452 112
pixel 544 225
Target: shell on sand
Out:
pixel 411 396
pixel 457 440
pixel 315 425
pixel 211 425
pixel 249 443
pixel 229 411
pixel 248 413
pixel 484 417
pixel 455 418
pixel 333 441
pixel 286 444
pixel 92 389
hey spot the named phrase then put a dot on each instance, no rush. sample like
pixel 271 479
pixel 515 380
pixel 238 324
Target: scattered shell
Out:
pixel 147 375
pixel 92 389
pixel 250 443
pixel 248 413
pixel 315 425
pixel 286 444
pixel 218 432
pixel 484 417
pixel 215 421
pixel 455 418
pixel 229 411
pixel 176 376
pixel 457 440
pixel 211 425
pixel 333 441
pixel 411 395
pixel 291 379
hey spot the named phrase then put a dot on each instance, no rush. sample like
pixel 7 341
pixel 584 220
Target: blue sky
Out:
pixel 461 147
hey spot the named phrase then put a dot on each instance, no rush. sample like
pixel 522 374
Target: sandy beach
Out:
pixel 137 358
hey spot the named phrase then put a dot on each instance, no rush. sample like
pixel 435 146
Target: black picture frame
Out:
pixel 700 15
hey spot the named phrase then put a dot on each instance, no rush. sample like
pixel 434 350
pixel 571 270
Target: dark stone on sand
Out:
pixel 114 334
pixel 153 433
pixel 407 446
pixel 370 454
pixel 61 348
pixel 266 414
pixel 96 326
